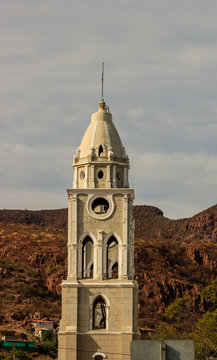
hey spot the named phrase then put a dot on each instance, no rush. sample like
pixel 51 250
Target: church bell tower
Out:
pixel 99 297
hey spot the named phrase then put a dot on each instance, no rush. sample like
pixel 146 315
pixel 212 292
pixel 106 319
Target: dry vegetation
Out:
pixel 174 259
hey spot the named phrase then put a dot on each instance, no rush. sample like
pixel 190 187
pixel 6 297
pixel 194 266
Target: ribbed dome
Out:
pixel 101 139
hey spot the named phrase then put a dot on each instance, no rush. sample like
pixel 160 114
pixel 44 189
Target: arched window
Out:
pixel 99 313
pixel 87 258
pixel 100 150
pixel 112 258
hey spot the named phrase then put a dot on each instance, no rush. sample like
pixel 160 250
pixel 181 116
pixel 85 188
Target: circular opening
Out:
pixel 100 174
pixel 100 206
pixel 82 175
pixel 118 175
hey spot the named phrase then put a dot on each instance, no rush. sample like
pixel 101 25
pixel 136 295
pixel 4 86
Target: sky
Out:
pixel 160 84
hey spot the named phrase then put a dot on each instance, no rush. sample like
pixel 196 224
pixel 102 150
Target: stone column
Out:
pixel 108 178
pixel 131 261
pixel 120 258
pixel 79 252
pixel 75 182
pixel 125 236
pixel 95 261
pixel 125 177
pixel 99 254
pixel 92 177
pixel 104 261
pixel 70 220
pixel 114 179
pixel 72 237
pixel 86 176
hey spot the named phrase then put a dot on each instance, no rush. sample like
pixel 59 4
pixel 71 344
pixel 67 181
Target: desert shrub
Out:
pixel 27 290
pixel 177 309
pixel 46 335
pixel 40 291
pixel 167 332
pixel 210 293
pixel 17 354
pixel 205 335
pixel 13 266
pixel 47 348
pixel 53 269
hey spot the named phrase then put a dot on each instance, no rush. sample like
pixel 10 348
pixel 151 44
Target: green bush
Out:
pixel 205 335
pixel 47 348
pixel 210 293
pixel 177 309
pixel 167 333
pixel 46 335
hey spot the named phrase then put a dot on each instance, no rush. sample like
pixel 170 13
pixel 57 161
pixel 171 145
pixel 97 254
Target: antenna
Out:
pixel 102 78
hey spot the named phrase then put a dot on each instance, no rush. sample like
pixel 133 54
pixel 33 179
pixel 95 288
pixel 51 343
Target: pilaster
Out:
pixel 92 176
pixel 108 179
pixel 125 177
pixel 99 254
pixel 75 182
pixel 125 236
pixel 114 178
pixel 86 176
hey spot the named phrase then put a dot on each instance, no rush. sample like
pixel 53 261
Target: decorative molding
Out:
pixel 87 233
pixel 110 211
pixel 99 354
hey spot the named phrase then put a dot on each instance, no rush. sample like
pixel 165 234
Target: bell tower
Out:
pixel 99 297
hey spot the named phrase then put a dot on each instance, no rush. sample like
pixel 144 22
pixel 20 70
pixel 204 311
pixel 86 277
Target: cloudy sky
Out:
pixel 160 83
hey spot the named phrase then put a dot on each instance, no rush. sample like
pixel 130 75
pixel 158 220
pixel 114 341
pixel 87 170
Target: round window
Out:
pixel 100 206
pixel 82 175
pixel 100 174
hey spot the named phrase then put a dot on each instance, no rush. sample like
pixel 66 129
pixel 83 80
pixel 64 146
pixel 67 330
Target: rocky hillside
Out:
pixel 173 259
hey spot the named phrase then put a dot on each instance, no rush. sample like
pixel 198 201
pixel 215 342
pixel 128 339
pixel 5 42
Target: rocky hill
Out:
pixel 173 259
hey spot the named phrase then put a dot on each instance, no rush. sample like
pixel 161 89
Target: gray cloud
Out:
pixel 160 83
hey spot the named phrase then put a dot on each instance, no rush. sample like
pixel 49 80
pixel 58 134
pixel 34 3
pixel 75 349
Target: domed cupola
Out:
pixel 101 140
pixel 101 160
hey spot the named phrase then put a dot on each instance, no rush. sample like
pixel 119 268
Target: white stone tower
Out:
pixel 99 297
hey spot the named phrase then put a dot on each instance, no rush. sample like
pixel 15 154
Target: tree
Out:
pixel 205 335
pixel 177 310
pixel 167 333
pixel 210 293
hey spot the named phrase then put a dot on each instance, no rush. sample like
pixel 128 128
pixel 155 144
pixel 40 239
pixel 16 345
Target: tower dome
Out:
pixel 101 161
pixel 101 140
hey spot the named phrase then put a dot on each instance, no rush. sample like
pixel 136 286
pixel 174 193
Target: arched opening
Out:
pixel 98 357
pixel 87 257
pixel 99 313
pixel 112 258
pixel 100 206
pixel 100 150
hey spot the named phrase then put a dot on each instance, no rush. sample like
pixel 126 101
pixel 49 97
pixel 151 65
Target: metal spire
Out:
pixel 102 79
